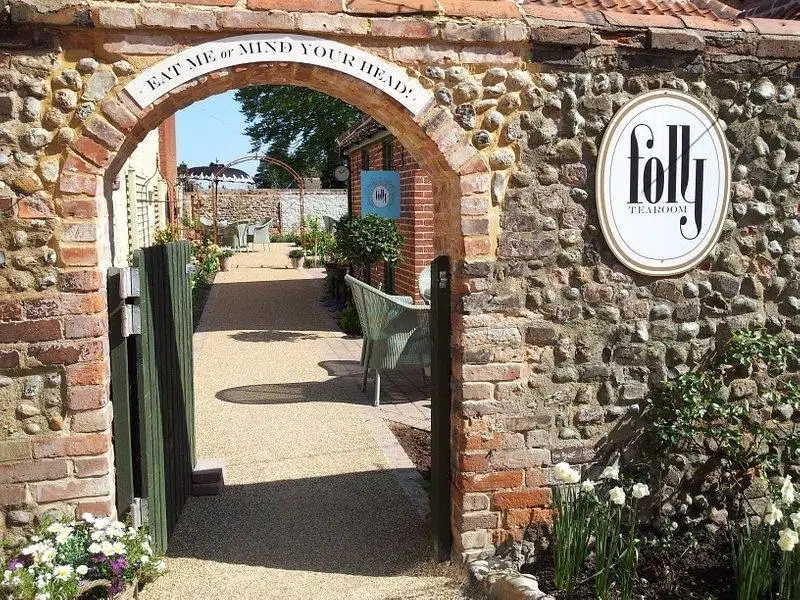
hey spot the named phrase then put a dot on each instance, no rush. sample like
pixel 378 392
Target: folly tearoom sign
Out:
pixel 663 181
pixel 172 72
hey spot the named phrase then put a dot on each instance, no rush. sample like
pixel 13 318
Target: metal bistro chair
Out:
pixel 396 331
pixel 259 234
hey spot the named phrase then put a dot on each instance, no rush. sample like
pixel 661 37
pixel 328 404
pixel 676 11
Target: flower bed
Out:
pixel 601 550
pixel 91 558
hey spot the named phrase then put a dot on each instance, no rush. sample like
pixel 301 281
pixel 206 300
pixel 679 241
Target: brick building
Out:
pixel 370 146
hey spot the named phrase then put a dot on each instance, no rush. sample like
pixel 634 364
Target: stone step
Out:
pixel 208 470
pixel 207 489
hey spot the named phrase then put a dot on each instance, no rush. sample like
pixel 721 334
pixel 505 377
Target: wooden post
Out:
pixel 441 359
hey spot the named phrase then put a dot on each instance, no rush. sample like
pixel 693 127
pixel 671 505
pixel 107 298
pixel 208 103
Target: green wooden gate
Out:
pixel 159 388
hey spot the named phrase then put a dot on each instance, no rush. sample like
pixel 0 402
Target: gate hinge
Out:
pixel 131 320
pixel 129 282
pixel 444 280
pixel 139 512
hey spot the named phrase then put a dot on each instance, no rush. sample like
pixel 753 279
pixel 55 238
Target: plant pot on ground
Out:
pixel 297 255
pixel 226 259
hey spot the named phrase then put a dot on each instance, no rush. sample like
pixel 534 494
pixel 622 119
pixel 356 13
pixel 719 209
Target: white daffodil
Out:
pixel 773 515
pixel 640 490
pixel 788 540
pixel 44 596
pixel 611 472
pixel 95 548
pixel 102 523
pixel 161 566
pixel 588 486
pixel 787 491
pixel 144 559
pixel 795 517
pixel 617 496
pixel 561 471
pixel 82 570
pixel 88 517
pixel 62 572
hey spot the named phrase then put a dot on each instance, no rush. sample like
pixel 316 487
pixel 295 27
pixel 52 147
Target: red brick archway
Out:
pixel 459 173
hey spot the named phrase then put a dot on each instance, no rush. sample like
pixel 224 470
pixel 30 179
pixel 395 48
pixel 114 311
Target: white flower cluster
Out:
pixel 50 563
pixel 564 473
pixel 789 537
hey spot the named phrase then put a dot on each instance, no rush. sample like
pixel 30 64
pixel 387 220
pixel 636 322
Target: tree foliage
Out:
pixel 298 126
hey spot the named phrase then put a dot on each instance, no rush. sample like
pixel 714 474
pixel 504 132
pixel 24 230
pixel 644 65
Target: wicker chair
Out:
pixel 235 236
pixel 396 331
pixel 259 234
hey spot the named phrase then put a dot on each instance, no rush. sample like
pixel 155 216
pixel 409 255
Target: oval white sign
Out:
pixel 663 182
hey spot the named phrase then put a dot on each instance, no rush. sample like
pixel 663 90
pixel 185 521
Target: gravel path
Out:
pixel 309 510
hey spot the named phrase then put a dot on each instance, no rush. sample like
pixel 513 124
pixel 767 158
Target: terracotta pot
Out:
pixel 226 263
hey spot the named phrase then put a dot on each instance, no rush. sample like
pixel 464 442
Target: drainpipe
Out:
pixel 349 187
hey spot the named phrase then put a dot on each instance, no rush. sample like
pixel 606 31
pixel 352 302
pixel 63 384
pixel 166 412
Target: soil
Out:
pixel 417 444
pixel 199 299
pixel 677 571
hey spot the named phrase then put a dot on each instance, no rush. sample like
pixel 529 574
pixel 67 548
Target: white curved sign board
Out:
pixel 161 78
pixel 663 182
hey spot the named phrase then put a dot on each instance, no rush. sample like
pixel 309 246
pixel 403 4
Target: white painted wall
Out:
pixel 141 167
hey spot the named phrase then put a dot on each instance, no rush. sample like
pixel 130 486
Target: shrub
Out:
pixel 348 321
pixel 297 253
pixel 367 239
pixel 165 235
pixel 285 238
pixel 694 413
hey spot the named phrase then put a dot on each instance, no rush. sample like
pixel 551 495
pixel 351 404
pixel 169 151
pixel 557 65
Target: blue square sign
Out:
pixel 380 193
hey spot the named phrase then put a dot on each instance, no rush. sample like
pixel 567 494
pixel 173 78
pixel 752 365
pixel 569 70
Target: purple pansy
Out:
pixel 118 565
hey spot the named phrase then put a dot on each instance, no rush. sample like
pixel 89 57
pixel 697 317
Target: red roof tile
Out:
pixel 709 9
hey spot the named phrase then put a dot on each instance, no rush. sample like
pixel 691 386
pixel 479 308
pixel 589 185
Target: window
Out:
pixel 365 159
pixel 388 147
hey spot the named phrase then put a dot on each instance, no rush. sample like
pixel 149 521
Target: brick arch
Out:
pixel 433 138
pixel 460 176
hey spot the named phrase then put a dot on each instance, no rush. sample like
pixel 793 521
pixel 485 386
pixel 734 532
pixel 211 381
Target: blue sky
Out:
pixel 213 130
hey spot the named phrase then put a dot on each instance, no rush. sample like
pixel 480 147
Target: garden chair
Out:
pixel 396 331
pixel 424 284
pixel 234 236
pixel 259 234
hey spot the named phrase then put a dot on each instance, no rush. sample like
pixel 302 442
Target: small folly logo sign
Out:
pixel 172 72
pixel 663 181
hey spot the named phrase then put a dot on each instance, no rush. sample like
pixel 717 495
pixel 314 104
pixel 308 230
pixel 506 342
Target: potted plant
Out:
pixel 226 259
pixel 86 558
pixel 297 255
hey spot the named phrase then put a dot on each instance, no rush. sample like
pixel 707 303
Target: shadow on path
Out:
pixel 329 524
pixel 248 305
